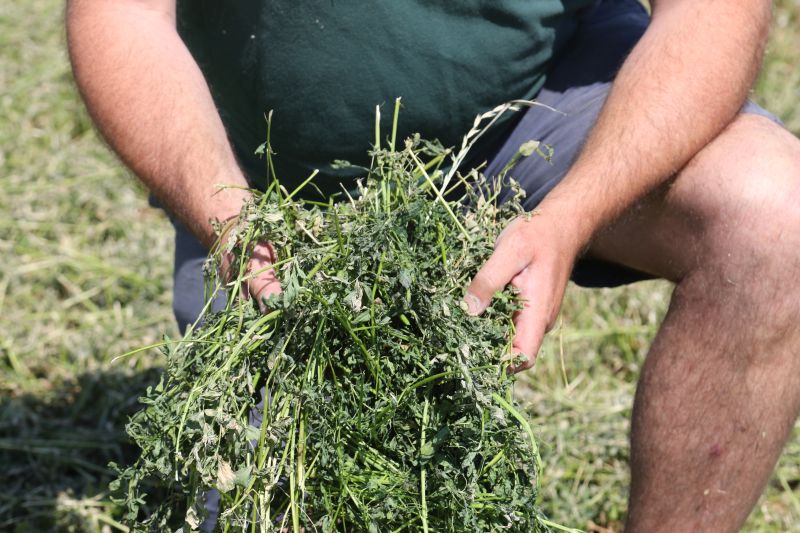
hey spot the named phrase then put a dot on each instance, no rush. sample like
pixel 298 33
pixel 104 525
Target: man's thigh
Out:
pixel 736 201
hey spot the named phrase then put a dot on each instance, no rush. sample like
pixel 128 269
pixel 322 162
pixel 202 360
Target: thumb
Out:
pixel 496 273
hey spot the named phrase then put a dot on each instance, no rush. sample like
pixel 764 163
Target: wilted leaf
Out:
pixel 225 477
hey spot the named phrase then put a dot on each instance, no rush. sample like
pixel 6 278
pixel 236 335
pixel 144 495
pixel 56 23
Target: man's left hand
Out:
pixel 535 255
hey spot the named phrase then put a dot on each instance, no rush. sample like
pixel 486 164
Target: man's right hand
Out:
pixel 262 280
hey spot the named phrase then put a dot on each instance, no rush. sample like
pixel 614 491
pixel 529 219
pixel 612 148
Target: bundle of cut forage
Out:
pixel 366 398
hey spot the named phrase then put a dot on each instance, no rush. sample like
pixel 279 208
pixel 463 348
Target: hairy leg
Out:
pixel 720 389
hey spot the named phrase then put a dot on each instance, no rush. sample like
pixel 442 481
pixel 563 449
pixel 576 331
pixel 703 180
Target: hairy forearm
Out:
pixel 150 101
pixel 681 85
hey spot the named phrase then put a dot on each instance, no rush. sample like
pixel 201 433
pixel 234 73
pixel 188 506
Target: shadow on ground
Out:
pixel 55 449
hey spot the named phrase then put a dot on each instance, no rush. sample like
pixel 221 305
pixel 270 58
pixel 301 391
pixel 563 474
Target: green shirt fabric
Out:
pixel 322 67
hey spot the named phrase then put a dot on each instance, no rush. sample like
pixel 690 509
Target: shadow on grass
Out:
pixel 55 449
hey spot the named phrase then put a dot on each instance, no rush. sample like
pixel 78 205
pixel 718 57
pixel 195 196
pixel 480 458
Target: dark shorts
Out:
pixel 577 85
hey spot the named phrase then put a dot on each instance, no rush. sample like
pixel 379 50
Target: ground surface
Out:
pixel 85 276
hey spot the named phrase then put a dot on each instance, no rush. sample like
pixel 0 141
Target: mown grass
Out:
pixel 85 275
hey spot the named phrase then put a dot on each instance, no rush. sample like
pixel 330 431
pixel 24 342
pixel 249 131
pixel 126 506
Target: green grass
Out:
pixel 85 275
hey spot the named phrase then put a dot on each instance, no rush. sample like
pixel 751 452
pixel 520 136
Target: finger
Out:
pixel 264 281
pixel 506 262
pixel 227 274
pixel 263 286
pixel 530 322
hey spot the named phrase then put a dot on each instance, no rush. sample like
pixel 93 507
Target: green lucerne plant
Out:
pixel 386 407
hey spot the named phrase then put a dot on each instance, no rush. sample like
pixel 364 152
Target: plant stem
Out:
pixel 422 475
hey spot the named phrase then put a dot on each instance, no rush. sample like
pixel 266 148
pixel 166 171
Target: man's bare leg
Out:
pixel 720 389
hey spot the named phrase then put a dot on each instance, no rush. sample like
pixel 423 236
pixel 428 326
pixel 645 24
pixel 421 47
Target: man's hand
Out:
pixel 681 85
pixel 261 280
pixel 535 256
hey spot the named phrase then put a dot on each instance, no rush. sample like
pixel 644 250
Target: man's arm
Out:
pixel 681 85
pixel 150 101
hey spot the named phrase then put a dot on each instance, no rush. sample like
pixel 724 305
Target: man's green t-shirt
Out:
pixel 323 66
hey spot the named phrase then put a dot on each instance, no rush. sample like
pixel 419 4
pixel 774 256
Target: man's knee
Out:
pixel 733 210
pixel 745 188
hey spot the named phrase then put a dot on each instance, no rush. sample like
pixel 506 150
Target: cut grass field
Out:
pixel 86 276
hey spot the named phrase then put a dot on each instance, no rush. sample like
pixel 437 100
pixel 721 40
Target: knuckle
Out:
pixel 510 232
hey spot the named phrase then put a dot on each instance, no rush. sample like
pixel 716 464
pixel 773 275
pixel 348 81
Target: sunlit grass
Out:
pixel 85 275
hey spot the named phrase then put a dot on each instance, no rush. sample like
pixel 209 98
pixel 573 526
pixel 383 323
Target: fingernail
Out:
pixel 523 362
pixel 474 304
